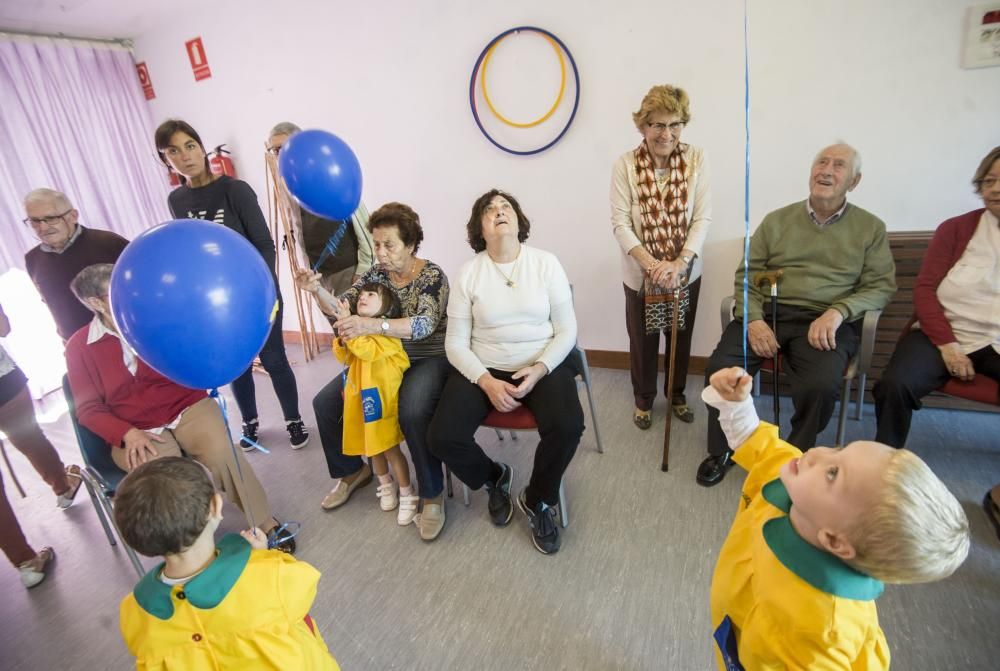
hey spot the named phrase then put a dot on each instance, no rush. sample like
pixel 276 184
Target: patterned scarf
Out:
pixel 663 212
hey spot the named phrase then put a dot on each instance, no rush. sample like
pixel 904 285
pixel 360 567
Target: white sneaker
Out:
pixel 387 498
pixel 407 509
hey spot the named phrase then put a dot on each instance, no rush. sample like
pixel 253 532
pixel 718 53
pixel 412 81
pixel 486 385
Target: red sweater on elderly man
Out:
pixel 110 400
pixel 945 249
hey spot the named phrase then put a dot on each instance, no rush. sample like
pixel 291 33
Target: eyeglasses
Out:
pixel 274 151
pixel 675 127
pixel 174 152
pixel 988 183
pixel 49 220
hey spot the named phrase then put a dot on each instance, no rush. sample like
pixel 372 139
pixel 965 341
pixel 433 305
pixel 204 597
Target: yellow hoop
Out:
pixel 555 105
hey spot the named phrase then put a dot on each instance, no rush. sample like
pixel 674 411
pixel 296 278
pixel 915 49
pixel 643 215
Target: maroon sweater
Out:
pixel 52 272
pixel 946 248
pixel 110 400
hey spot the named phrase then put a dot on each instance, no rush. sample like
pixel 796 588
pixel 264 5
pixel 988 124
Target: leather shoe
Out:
pixel 713 469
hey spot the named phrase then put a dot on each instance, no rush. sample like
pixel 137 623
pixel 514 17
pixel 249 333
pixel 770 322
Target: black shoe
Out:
pixel 544 530
pixel 249 435
pixel 714 468
pixel 297 434
pixel 500 506
pixel 282 537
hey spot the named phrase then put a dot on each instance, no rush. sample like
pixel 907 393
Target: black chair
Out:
pixel 101 476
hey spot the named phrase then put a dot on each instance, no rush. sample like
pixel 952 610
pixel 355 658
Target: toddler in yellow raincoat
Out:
pixel 231 605
pixel 375 367
pixel 815 537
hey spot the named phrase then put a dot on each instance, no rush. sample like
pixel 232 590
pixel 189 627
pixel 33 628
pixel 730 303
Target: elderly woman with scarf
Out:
pixel 660 214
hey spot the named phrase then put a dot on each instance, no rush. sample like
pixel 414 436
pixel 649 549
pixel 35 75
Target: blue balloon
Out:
pixel 322 173
pixel 195 300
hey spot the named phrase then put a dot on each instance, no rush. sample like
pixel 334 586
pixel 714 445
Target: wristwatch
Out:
pixel 384 326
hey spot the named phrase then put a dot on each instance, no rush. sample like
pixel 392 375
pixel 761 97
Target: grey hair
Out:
pixel 284 128
pixel 855 156
pixel 92 282
pixel 49 196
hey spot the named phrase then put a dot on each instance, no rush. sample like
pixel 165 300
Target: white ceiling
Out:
pixel 105 19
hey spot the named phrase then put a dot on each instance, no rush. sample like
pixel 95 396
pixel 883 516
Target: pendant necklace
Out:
pixel 508 279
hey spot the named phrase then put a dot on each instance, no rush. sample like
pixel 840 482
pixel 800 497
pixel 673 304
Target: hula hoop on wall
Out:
pixel 472 91
pixel 555 105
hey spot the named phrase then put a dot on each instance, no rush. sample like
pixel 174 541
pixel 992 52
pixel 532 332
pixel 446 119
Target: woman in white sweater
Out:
pixel 511 333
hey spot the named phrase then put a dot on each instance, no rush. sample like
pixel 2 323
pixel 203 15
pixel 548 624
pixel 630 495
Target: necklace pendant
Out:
pixel 510 283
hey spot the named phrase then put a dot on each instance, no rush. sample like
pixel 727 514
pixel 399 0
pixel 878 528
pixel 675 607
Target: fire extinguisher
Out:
pixel 220 163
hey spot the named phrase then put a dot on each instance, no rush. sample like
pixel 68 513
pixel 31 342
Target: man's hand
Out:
pixel 529 376
pixel 956 362
pixel 762 340
pixel 139 447
pixel 500 393
pixel 733 384
pixel 823 331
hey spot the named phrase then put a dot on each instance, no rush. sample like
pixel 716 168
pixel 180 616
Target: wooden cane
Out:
pixel 771 277
pixel 675 310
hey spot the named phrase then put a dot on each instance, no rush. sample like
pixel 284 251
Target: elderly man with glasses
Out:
pixel 353 257
pixel 66 247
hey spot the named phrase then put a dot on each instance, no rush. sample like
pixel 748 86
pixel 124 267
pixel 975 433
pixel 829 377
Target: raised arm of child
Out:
pixel 729 393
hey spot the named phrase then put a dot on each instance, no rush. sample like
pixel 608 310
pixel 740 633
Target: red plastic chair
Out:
pixel 981 389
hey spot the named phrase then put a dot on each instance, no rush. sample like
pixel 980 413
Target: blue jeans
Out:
pixel 418 397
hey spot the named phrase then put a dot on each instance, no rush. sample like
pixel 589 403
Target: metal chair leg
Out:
pixel 563 510
pixel 845 401
pixel 93 487
pixel 499 435
pixel 465 494
pixel 590 401
pixel 859 407
pixel 447 479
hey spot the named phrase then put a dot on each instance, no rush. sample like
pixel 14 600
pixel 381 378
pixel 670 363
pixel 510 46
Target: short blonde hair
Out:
pixel 665 99
pixel 916 531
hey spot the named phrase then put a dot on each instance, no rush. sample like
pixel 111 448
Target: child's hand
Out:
pixel 343 309
pixel 256 538
pixel 733 384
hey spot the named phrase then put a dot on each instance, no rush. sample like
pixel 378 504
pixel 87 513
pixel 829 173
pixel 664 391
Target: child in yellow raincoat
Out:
pixel 375 367
pixel 231 605
pixel 815 537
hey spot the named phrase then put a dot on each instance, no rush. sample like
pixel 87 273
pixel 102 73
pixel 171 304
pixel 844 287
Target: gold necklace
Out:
pixel 508 279
pixel 408 277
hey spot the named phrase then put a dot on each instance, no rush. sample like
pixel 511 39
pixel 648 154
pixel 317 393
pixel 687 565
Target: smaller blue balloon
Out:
pixel 322 173
pixel 195 300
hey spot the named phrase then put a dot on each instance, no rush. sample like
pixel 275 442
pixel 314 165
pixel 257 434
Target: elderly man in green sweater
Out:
pixel 837 265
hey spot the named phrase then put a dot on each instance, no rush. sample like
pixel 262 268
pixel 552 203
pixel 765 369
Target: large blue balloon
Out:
pixel 322 173
pixel 195 300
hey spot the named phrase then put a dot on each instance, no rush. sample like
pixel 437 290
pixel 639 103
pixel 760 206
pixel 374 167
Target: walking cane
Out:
pixel 675 313
pixel 771 277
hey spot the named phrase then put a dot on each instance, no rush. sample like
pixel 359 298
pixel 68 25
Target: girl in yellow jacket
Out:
pixel 375 367
pixel 227 605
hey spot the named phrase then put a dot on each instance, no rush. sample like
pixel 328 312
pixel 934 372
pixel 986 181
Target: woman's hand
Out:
pixel 529 376
pixel 957 363
pixel 307 280
pixel 668 274
pixel 353 326
pixel 500 393
pixel 139 447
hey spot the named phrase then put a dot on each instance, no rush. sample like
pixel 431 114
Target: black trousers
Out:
pixel 275 362
pixel 644 350
pixel 915 370
pixel 554 403
pixel 815 375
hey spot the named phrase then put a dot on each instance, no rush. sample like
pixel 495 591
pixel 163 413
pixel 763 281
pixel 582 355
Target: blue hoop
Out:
pixel 472 91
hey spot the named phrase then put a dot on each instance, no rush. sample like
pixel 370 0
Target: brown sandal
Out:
pixel 683 412
pixel 642 418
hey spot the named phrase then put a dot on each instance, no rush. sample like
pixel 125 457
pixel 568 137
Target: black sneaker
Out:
pixel 544 530
pixel 249 435
pixel 500 506
pixel 282 537
pixel 297 434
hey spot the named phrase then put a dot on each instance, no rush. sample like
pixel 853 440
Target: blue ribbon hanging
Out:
pixel 746 182
pixel 332 244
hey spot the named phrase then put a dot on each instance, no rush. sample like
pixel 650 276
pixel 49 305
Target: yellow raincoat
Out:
pixel 375 367
pixel 249 610
pixel 777 601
